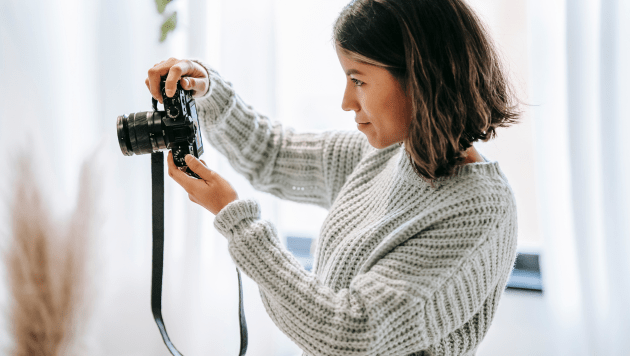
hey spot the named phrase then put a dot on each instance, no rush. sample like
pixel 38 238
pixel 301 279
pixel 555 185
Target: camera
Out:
pixel 176 128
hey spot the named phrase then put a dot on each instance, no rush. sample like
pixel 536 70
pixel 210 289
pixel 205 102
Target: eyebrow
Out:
pixel 353 71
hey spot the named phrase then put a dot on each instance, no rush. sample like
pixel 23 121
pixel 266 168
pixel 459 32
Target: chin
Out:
pixel 373 144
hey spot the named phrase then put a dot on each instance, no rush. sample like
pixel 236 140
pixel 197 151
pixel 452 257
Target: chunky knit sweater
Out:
pixel 400 268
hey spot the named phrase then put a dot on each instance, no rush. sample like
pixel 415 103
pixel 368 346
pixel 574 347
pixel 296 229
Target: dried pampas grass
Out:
pixel 47 266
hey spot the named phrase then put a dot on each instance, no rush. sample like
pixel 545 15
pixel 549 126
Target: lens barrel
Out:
pixel 140 133
pixel 123 135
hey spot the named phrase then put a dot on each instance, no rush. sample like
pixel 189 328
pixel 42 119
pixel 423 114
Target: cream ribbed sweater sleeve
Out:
pixel 424 289
pixel 302 167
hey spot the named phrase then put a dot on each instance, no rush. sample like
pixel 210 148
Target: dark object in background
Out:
pixel 526 273
pixel 176 128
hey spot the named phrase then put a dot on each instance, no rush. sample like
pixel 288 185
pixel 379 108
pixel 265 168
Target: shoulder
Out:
pixel 481 197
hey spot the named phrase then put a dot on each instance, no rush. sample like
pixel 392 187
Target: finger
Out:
pixel 200 168
pixel 155 75
pixel 153 80
pixel 178 70
pixel 188 83
pixel 204 162
pixel 199 86
pixel 188 183
pixel 202 79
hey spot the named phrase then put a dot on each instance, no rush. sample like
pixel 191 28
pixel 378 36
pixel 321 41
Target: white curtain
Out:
pixel 580 86
pixel 67 70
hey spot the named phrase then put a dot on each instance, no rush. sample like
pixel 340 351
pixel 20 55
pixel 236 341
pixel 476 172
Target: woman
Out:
pixel 420 237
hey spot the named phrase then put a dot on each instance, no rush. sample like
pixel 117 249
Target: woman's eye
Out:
pixel 357 83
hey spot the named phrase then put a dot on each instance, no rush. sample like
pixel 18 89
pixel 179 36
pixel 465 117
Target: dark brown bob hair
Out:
pixel 444 59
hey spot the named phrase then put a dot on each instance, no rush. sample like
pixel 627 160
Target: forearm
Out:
pixel 367 318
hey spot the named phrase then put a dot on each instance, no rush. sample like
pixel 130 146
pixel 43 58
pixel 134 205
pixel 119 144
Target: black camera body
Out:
pixel 176 128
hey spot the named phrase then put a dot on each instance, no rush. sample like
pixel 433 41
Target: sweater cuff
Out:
pixel 219 99
pixel 227 220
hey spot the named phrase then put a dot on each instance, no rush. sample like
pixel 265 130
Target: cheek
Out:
pixel 399 108
pixel 371 107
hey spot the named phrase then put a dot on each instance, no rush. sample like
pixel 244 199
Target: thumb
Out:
pixel 197 85
pixel 196 166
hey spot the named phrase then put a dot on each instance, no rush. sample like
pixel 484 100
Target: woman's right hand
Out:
pixel 193 77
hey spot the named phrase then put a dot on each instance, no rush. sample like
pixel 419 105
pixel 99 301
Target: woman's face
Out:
pixel 377 100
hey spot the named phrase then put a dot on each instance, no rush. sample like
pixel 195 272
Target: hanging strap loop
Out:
pixel 157 197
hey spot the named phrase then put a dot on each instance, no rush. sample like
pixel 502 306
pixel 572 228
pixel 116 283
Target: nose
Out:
pixel 349 101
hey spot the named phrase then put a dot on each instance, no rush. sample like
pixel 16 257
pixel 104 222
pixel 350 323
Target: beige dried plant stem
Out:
pixel 46 271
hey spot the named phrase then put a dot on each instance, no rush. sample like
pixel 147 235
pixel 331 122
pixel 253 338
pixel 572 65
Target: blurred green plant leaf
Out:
pixel 161 5
pixel 168 26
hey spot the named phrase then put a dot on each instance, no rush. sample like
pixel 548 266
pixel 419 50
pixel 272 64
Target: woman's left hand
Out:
pixel 212 191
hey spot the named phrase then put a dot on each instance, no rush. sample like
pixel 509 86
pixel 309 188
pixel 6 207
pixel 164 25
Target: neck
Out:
pixel 472 156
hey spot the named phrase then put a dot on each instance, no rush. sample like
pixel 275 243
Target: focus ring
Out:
pixel 141 133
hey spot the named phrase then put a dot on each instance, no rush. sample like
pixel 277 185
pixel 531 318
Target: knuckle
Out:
pixel 176 69
pixel 204 85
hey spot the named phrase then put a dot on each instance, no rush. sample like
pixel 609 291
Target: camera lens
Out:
pixel 123 135
pixel 140 133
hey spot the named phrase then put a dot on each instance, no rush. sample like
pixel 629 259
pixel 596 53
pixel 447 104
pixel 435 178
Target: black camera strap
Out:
pixel 157 177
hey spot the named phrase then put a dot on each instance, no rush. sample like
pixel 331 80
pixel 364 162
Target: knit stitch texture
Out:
pixel 400 268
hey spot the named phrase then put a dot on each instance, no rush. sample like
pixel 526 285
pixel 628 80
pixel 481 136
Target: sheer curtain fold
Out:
pixel 578 88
